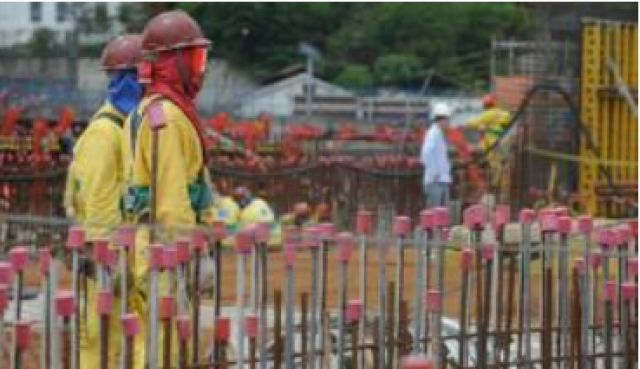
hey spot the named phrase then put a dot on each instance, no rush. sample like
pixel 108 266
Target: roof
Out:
pixel 296 80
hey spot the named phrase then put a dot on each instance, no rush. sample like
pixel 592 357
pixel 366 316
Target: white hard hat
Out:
pixel 441 110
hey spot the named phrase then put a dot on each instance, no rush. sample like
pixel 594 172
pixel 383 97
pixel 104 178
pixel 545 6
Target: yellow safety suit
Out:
pixel 258 211
pixel 92 197
pixel 180 180
pixel 492 122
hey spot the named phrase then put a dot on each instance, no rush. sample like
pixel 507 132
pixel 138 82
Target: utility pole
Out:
pixel 312 54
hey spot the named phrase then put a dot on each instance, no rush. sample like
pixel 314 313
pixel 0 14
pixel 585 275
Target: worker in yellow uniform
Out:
pixel 94 183
pixel 254 210
pixel 491 124
pixel 163 146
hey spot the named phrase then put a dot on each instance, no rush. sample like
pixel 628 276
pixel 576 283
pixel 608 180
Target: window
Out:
pixel 61 11
pixel 36 12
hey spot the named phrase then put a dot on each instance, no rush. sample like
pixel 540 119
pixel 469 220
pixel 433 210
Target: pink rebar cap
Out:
pixel 632 266
pixel 564 225
pixel 326 231
pixel 104 302
pixel 585 224
pixel 364 222
pixel 198 239
pixel 263 232
pixel 401 226
pixel 441 216
pixel 629 290
pixel 165 311
pixel 466 259
pixel 22 334
pixel 130 324
pixel 605 238
pixel 526 216
pixel 354 311
pixel 501 215
pixel 561 211
pixel 427 219
pixel 475 216
pixel 222 329
pixel 4 299
pixel 183 323
pixel 219 230
pixel 44 260
pixel 251 325
pixel 433 300
pixel 416 362
pixel 126 236
pixel 344 241
pixel 100 250
pixel 19 258
pixel 595 259
pixel 170 257
pixel 548 220
pixel 487 251
pixel 610 288
pixel 6 273
pixel 312 237
pixel 156 256
pixel 75 238
pixel 65 303
pixel 183 250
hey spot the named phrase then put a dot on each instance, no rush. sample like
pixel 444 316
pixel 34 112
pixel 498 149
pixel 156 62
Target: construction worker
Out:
pixel 299 216
pixel 253 209
pixel 491 124
pixel 163 144
pixel 435 159
pixel 94 183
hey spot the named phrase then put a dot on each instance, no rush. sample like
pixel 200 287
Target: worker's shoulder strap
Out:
pixel 136 118
pixel 114 118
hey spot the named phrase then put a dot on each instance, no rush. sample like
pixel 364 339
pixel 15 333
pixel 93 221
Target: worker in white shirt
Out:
pixel 434 158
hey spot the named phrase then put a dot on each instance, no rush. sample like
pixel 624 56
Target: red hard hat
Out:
pixel 123 52
pixel 488 100
pixel 172 30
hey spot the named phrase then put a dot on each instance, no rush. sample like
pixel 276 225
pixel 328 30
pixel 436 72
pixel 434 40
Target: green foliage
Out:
pixel 355 76
pixel 42 42
pixel 398 41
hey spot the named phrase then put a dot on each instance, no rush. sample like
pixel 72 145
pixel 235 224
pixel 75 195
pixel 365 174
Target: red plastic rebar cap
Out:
pixel 354 312
pixel 44 260
pixel 222 329
pixel 22 334
pixel 155 253
pixel 198 239
pixel 4 298
pixel 629 290
pixel 441 216
pixel 101 250
pixel 6 273
pixel 401 226
pixel 65 303
pixel 130 324
pixel 466 259
pixel 632 266
pixel 526 216
pixel 344 242
pixel 487 251
pixel 475 216
pixel 416 362
pixel 605 238
pixel 183 324
pixel 244 240
pixel 548 220
pixel 585 224
pixel 326 230
pixel 251 325
pixel 219 230
pixel 427 219
pixel 564 224
pixel 595 258
pixel 126 236
pixel 624 235
pixel 104 302
pixel 170 257
pixel 263 232
pixel 166 308
pixel 311 237
pixel 561 212
pixel 610 288
pixel 19 258
pixel 75 238
pixel 501 215
pixel 433 300
pixel 364 222
pixel 183 250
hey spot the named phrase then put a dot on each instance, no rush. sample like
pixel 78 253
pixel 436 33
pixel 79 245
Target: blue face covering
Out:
pixel 124 91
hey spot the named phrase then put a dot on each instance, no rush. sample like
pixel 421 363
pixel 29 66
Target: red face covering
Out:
pixel 177 75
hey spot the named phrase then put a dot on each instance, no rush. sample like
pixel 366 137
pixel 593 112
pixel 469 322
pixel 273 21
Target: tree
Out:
pixel 397 69
pixel 355 76
pixel 42 42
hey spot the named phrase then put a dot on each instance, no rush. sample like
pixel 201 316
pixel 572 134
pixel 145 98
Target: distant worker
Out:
pixel 94 184
pixel 253 209
pixel 491 124
pixel 435 158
